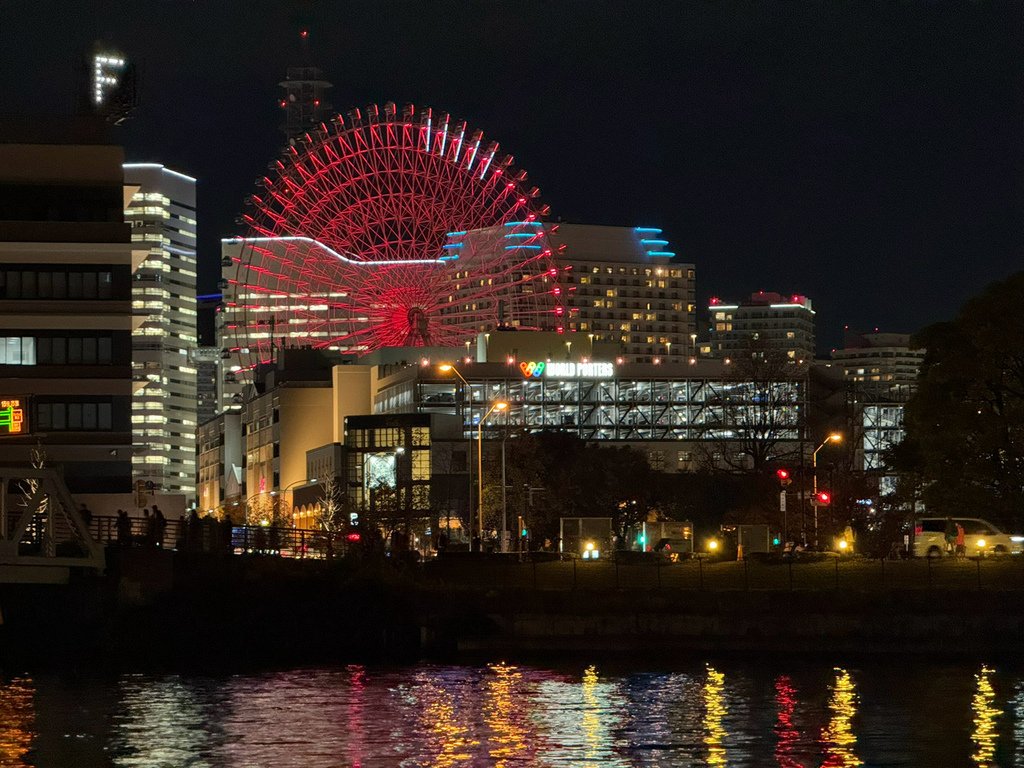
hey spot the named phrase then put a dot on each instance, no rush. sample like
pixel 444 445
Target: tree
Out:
pixel 331 515
pixel 759 415
pixel 967 416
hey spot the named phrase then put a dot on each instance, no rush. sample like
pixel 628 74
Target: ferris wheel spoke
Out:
pixel 389 187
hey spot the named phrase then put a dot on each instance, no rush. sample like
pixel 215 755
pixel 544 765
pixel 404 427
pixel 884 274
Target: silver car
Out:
pixel 980 537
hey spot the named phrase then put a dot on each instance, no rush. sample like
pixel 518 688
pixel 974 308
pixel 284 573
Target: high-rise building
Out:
pixel 765 322
pixel 626 288
pixel 305 96
pixel 879 362
pixel 162 213
pixel 206 361
pixel 880 371
pixel 66 262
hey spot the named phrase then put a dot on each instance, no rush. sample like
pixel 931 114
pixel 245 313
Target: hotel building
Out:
pixel 162 214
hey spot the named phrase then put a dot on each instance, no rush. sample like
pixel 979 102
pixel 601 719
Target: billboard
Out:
pixel 13 415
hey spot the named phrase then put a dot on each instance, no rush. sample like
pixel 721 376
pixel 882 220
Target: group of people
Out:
pixel 154 527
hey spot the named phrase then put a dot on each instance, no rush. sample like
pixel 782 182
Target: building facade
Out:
pixel 880 371
pixel 206 361
pixel 683 415
pixel 626 288
pixel 220 482
pixel 763 324
pixel 162 215
pixel 66 264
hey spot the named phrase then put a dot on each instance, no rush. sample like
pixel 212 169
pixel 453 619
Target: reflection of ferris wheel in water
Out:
pixel 396 229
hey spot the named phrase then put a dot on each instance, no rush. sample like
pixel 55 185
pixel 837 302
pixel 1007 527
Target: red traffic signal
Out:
pixel 822 498
pixel 784 477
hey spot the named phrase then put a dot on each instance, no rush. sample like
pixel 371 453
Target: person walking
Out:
pixel 950 536
pixel 148 533
pixel 961 542
pixel 159 526
pixel 124 528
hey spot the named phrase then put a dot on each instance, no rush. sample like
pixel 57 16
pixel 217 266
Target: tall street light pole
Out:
pixel 835 437
pixel 449 368
pixel 499 405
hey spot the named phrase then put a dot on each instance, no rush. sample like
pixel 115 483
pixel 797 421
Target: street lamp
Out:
pixel 498 405
pixel 449 368
pixel 835 437
pixel 290 486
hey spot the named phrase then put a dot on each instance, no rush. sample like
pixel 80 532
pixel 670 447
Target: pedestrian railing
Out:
pixel 213 536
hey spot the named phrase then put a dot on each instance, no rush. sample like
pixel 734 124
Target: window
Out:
pixel 87 416
pixel 17 350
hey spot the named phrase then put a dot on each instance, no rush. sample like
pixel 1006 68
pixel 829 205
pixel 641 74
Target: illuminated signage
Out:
pixel 12 416
pixel 536 370
pixel 532 370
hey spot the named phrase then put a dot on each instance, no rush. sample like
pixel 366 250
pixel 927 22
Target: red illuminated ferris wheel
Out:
pixel 391 228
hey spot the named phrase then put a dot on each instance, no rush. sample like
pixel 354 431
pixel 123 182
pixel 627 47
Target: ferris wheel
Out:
pixel 393 227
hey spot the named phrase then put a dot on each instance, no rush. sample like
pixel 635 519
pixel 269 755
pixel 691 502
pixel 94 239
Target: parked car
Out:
pixel 980 536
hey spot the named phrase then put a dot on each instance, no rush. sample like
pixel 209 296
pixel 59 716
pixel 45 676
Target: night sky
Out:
pixel 867 156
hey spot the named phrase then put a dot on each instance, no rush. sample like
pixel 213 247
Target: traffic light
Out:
pixel 784 477
pixel 821 499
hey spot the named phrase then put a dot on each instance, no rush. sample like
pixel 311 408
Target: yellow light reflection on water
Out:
pixel 985 717
pixel 504 714
pixel 838 739
pixel 454 743
pixel 17 719
pixel 714 712
pixel 591 721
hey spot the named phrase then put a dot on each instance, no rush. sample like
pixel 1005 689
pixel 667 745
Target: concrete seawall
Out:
pixel 890 622
pixel 159 608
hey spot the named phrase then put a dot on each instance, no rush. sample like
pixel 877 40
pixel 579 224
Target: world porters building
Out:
pixel 683 414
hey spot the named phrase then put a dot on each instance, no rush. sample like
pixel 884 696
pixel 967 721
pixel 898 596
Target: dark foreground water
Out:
pixel 779 712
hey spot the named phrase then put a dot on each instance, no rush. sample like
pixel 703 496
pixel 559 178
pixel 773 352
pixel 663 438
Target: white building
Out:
pixel 880 370
pixel 879 362
pixel 764 321
pixel 162 215
pixel 626 289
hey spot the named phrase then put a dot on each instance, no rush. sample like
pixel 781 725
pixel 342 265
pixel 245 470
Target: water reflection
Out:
pixel 161 721
pixel 521 716
pixel 786 735
pixel 838 739
pixel 504 712
pixel 355 745
pixel 17 720
pixel 714 712
pixel 985 717
pixel 451 741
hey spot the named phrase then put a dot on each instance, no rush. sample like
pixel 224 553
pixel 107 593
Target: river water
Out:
pixel 773 712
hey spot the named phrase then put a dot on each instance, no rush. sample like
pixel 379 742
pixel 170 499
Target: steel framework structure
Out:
pixel 697 409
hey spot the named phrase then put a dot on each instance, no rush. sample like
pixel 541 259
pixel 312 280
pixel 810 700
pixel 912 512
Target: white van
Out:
pixel 980 536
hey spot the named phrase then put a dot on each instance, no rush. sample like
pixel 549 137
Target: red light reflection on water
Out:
pixel 786 735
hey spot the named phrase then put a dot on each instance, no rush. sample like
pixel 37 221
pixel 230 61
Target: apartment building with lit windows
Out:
pixel 765 321
pixel 625 287
pixel 162 215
